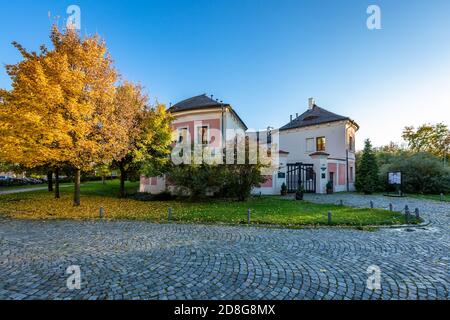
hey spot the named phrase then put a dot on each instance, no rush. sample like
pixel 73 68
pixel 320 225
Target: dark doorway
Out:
pixel 332 179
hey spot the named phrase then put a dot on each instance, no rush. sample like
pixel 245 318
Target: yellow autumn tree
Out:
pixel 31 128
pixel 61 106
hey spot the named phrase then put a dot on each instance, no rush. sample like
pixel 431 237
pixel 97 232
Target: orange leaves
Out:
pixel 60 108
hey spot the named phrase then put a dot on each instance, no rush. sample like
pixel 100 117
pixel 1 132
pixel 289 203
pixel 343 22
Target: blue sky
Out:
pixel 267 57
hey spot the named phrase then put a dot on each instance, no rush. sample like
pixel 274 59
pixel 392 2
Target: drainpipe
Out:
pixel 223 128
pixel 346 160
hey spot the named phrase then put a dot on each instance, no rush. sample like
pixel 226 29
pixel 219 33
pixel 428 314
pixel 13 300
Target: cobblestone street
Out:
pixel 140 260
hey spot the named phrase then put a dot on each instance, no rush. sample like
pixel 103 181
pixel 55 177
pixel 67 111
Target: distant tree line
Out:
pixel 424 162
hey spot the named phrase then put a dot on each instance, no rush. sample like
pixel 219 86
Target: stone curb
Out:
pixel 242 225
pixel 291 227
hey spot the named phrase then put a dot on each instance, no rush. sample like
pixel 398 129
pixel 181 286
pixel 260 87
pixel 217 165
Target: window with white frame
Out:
pixel 202 134
pixel 183 134
pixel 310 145
pixel 351 143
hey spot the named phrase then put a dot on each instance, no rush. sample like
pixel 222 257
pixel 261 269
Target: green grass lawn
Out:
pixel 435 197
pixel 264 210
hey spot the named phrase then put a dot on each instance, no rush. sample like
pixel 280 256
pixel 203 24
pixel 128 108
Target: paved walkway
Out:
pixel 139 260
pixel 12 191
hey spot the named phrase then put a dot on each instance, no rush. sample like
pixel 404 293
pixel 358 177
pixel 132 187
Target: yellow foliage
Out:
pixel 61 106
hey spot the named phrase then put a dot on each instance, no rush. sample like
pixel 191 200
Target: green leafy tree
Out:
pixel 367 170
pixel 434 139
pixel 148 134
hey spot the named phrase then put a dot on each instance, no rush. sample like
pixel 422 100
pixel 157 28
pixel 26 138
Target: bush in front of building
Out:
pixel 284 189
pixel 224 181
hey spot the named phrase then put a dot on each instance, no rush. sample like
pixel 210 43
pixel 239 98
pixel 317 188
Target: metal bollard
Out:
pixel 371 204
pixel 170 214
pixel 417 213
pixel 391 207
pixel 442 197
pixel 341 203
pixel 249 212
pixel 102 212
pixel 329 217
pixel 407 214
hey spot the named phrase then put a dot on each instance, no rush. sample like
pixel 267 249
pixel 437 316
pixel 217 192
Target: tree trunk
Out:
pixel 57 183
pixel 50 181
pixel 123 177
pixel 76 194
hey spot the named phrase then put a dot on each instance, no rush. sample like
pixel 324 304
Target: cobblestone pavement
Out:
pixel 139 260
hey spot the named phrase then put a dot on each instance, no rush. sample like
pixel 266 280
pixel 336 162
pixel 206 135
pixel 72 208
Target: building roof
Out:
pixel 202 102
pixel 197 102
pixel 315 115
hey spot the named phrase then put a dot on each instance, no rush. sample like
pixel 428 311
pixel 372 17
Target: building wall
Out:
pixel 213 118
pixel 152 185
pixel 338 143
pixel 207 117
pixel 294 141
pixel 273 183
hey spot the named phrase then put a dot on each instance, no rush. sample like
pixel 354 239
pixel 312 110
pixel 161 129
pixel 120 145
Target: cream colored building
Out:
pixel 324 140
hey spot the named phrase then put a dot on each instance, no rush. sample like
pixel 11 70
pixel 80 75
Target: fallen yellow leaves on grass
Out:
pixel 44 206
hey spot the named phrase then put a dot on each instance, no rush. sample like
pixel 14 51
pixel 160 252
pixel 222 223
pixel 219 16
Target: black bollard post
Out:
pixel 391 207
pixel 407 214
pixel 341 203
pixel 329 218
pixel 170 214
pixel 417 213
pixel 371 204
pixel 249 212
pixel 102 212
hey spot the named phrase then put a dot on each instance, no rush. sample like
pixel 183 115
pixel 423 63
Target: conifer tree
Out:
pixel 367 170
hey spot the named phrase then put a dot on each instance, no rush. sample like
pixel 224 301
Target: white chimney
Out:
pixel 311 103
pixel 291 117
